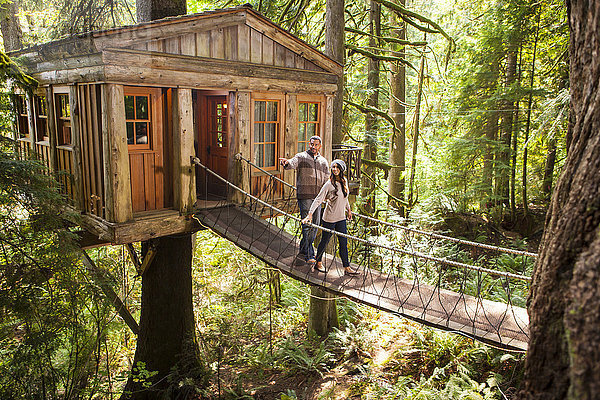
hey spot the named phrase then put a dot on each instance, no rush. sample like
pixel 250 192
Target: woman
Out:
pixel 335 191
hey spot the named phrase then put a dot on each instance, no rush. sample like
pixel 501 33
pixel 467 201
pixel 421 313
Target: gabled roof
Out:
pixel 243 29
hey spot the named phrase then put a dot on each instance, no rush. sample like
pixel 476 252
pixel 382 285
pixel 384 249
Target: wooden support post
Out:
pixel 242 127
pixel 184 177
pixel 291 138
pixel 134 257
pixel 101 280
pixel 30 104
pixel 141 267
pixel 52 136
pixel 76 141
pixel 117 185
pixel 328 131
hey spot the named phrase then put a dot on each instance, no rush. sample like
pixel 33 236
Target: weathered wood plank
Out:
pixel 183 146
pixel 290 59
pixel 267 50
pixel 243 129
pixel 87 74
pixel 279 55
pixel 98 194
pixel 231 42
pixel 255 46
pixel 188 44
pixel 85 139
pixel 173 45
pixel 77 169
pixel 134 59
pixel 327 116
pixel 243 35
pixel 203 44
pixel 217 43
pixel 294 44
pixel 129 36
pixel 117 184
pixel 51 157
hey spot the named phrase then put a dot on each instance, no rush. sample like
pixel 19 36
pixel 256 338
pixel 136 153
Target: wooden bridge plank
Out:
pixel 491 322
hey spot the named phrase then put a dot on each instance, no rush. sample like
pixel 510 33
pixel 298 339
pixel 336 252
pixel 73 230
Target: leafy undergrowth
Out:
pixel 258 347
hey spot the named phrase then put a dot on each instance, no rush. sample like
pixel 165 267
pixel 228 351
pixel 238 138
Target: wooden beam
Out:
pixel 87 240
pixel 150 254
pixel 103 282
pixel 76 109
pixel 134 257
pixel 204 65
pixel 117 185
pixel 183 150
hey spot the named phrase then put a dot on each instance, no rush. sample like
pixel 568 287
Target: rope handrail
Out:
pixel 405 228
pixel 444 261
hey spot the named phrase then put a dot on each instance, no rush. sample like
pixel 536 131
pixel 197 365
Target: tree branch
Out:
pixel 386 39
pixel 374 56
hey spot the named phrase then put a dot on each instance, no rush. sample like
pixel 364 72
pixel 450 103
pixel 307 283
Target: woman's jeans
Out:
pixel 341 227
pixel 308 233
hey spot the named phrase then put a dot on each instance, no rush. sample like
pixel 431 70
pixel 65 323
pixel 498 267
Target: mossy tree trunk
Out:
pixel 564 349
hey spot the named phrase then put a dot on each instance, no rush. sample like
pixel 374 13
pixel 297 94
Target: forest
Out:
pixel 476 120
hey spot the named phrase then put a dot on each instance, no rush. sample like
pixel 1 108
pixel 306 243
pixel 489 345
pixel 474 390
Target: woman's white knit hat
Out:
pixel 340 163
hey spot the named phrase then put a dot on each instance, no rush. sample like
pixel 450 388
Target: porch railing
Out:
pixel 351 156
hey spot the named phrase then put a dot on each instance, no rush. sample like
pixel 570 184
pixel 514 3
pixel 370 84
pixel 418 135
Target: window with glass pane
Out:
pixel 22 122
pixel 308 123
pixel 41 118
pixel 137 120
pixel 266 128
pixel 218 122
pixel 63 119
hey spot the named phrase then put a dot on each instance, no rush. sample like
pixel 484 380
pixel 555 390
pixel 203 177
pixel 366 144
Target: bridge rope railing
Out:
pixel 388 269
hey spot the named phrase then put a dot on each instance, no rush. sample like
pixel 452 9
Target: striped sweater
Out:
pixel 311 173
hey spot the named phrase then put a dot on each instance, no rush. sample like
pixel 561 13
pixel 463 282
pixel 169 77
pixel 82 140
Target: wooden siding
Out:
pixel 90 143
pixel 234 43
pixel 64 160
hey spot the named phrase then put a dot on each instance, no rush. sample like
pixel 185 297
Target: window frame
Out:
pixel 310 99
pixel 272 97
pixel 149 92
pixel 22 112
pixel 38 117
pixel 60 120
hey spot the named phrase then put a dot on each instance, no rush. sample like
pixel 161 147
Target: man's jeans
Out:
pixel 308 233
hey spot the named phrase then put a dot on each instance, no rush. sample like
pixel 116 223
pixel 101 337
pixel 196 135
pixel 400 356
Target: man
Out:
pixel 312 170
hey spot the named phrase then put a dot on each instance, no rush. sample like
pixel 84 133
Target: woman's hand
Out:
pixel 349 215
pixel 307 219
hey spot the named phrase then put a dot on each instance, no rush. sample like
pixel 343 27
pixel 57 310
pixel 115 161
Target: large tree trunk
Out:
pixel 370 144
pixel 564 349
pixel 396 181
pixel 167 343
pixel 150 10
pixel 334 48
pixel 10 27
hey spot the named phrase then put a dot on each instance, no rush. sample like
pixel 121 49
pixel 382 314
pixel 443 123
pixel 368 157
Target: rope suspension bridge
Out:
pixel 473 289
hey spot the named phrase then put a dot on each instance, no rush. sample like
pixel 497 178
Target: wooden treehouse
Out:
pixel 120 112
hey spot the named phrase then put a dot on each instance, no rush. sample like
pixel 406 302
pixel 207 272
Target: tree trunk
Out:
pixel 167 340
pixel 334 48
pixel 322 315
pixel 564 349
pixel 396 181
pixel 506 128
pixel 10 27
pixel 151 10
pixel 413 163
pixel 528 125
pixel 549 169
pixel 370 145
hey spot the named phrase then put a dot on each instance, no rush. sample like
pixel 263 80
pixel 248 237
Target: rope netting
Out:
pixel 475 289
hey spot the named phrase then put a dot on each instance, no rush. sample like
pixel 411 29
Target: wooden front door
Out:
pixel 144 122
pixel 214 133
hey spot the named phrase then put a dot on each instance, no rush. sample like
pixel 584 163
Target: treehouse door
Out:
pixel 144 121
pixel 214 141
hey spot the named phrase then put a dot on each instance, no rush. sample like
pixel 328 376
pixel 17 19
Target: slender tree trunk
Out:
pixel 506 128
pixel 528 125
pixel 491 136
pixel 370 146
pixel 396 181
pixel 515 144
pixel 322 313
pixel 10 27
pixel 564 348
pixel 413 164
pixel 334 48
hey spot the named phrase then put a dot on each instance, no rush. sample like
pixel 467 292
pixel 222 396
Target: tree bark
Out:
pixel 564 303
pixel 549 168
pixel 396 181
pixel 334 48
pixel 322 315
pixel 167 342
pixel 370 144
pixel 151 10
pixel 413 163
pixel 10 27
